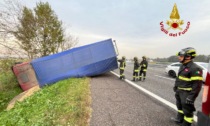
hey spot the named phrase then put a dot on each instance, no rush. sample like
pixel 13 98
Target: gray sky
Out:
pixel 135 24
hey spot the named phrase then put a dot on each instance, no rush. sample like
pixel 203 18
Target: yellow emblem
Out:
pixel 175 23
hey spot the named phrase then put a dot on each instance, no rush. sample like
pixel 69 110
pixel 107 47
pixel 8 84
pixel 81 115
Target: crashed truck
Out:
pixel 89 60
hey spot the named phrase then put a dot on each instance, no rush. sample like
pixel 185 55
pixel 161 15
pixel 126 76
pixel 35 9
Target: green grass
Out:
pixel 64 103
pixel 9 88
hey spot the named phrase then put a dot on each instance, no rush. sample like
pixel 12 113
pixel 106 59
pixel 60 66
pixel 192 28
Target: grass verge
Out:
pixel 65 103
pixel 9 88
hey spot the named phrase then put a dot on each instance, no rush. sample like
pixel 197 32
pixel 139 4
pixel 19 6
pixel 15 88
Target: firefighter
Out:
pixel 135 69
pixel 143 68
pixel 187 86
pixel 122 67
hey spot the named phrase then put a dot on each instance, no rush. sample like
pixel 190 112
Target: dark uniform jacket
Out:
pixel 136 65
pixel 122 64
pixel 189 79
pixel 144 65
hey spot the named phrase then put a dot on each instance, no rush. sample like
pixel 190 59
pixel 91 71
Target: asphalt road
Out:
pixel 159 83
pixel 116 103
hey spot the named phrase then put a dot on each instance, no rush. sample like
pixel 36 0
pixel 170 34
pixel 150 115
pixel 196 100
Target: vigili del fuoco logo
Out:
pixel 175 24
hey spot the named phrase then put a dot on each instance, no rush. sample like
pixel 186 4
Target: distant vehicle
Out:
pixel 172 69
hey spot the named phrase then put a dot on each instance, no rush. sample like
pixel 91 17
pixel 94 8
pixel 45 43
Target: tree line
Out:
pixel 199 58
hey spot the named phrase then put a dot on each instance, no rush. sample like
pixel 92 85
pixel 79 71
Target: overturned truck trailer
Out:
pixel 89 60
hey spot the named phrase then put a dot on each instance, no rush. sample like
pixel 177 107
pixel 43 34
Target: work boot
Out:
pixel 178 119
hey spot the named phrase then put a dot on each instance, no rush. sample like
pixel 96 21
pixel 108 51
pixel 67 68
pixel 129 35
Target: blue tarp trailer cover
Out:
pixel 88 60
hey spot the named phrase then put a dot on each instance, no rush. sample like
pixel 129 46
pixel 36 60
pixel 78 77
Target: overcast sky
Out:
pixel 135 24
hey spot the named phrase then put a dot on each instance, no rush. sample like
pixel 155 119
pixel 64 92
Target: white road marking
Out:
pixel 165 77
pixel 173 106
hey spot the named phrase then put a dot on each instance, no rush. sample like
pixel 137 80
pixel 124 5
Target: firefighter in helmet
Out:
pixel 143 68
pixel 122 67
pixel 187 86
pixel 135 69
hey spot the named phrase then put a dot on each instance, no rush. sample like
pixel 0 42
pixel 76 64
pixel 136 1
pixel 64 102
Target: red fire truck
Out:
pixel 204 116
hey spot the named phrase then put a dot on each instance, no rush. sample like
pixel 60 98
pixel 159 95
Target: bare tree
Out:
pixel 9 12
pixel 32 33
pixel 69 41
